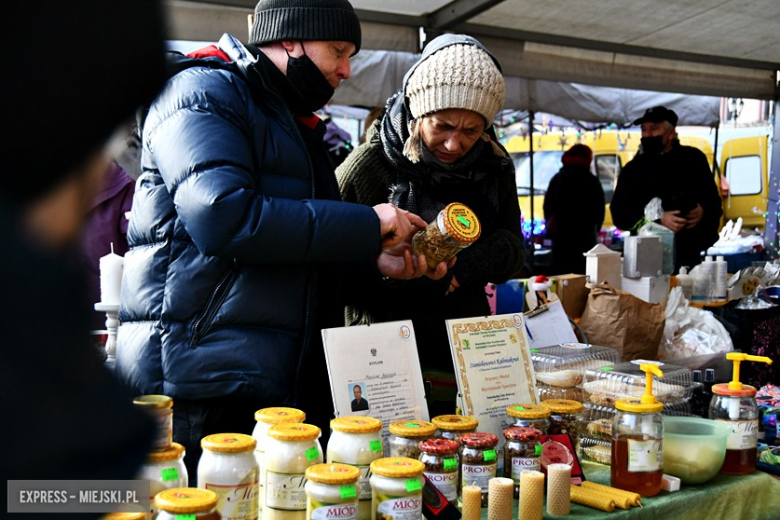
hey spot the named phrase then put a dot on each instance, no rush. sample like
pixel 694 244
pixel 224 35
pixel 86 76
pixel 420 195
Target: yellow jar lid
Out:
pixel 455 423
pixel 140 515
pixel 635 405
pixel 412 428
pixel 528 411
pixel 228 443
pixel 294 432
pixel 333 473
pixel 186 500
pixel 397 467
pixel 279 415
pixel 356 424
pixel 563 405
pixel 461 223
pixel 176 451
pixel 153 402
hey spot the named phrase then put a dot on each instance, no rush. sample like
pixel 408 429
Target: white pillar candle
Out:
pixel 111 277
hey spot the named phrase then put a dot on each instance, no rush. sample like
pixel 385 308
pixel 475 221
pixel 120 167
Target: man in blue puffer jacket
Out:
pixel 238 238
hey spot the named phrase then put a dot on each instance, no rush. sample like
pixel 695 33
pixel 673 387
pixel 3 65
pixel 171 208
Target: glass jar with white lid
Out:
pixel 356 440
pixel 265 418
pixel 194 503
pixel 332 492
pixel 397 484
pixel 291 449
pixel 164 470
pixel 229 468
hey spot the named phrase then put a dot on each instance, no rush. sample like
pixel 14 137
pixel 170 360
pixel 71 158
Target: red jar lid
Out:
pixel 522 433
pixel 439 446
pixel 479 440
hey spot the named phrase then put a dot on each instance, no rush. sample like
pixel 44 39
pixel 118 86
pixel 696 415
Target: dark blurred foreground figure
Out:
pixel 64 414
pixel 573 210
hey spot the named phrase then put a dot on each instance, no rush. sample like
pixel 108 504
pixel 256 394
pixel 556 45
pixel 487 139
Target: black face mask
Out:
pixel 653 145
pixel 309 80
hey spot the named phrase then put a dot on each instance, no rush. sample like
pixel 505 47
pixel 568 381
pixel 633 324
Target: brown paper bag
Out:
pixel 624 322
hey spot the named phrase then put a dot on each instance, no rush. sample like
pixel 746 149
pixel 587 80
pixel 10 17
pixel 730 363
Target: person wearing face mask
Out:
pixel 238 237
pixel 681 177
pixel 434 144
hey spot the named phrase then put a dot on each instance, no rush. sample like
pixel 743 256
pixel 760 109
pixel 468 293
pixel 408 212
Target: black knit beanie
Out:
pixel 306 20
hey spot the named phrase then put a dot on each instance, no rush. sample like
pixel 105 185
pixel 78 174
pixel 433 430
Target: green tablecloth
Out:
pixel 748 497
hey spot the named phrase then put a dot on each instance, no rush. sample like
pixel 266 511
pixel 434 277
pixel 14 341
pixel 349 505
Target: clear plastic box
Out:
pixel 560 368
pixel 603 386
pixel 596 450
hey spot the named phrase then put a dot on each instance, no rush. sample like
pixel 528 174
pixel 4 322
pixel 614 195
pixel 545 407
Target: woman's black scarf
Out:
pixel 415 181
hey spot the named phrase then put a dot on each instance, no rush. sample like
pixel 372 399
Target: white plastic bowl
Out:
pixel 694 448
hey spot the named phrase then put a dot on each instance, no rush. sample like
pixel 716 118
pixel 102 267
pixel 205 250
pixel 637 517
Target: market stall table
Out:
pixel 726 497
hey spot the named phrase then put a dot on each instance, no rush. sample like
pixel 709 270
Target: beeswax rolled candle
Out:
pixel 500 498
pixel 531 506
pixel 472 502
pixel 558 493
pixel 590 498
pixel 635 498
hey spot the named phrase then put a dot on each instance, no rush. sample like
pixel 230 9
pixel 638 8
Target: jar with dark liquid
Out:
pixel 735 404
pixel 637 441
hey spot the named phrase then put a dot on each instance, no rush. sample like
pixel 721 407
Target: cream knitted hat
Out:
pixel 459 75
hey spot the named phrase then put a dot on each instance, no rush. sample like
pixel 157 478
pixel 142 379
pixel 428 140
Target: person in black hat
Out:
pixel 573 210
pixel 64 415
pixel 681 177
pixel 239 240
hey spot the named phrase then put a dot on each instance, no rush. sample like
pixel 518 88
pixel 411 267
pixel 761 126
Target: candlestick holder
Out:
pixel 112 325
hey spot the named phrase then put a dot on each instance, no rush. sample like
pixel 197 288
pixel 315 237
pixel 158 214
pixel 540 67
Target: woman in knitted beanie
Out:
pixel 433 145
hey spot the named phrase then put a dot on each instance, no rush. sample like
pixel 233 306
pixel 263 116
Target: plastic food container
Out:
pixel 164 470
pixel 694 448
pixel 356 440
pixel 397 485
pixel 292 448
pixel 267 417
pixel 603 386
pixel 456 227
pixel 559 368
pixel 229 468
pixel 332 492
pixel 529 416
pixel 405 437
pixel 194 503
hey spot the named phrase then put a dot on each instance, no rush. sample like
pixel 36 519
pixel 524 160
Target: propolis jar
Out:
pixel 456 227
pixel 453 426
pixel 265 418
pixel 479 461
pixel 405 437
pixel 229 468
pixel 397 484
pixel 356 440
pixel 332 492
pixel 565 417
pixel 197 504
pixel 529 416
pixel 291 449
pixel 442 465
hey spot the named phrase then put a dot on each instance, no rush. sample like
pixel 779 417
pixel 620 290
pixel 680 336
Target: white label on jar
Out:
pixel 285 491
pixel 644 455
pixel 236 502
pixel 365 485
pixel 743 436
pixel 326 511
pixel 400 508
pixel 164 431
pixel 478 475
pixel 447 483
pixel 520 464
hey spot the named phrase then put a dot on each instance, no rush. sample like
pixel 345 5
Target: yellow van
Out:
pixel 743 165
